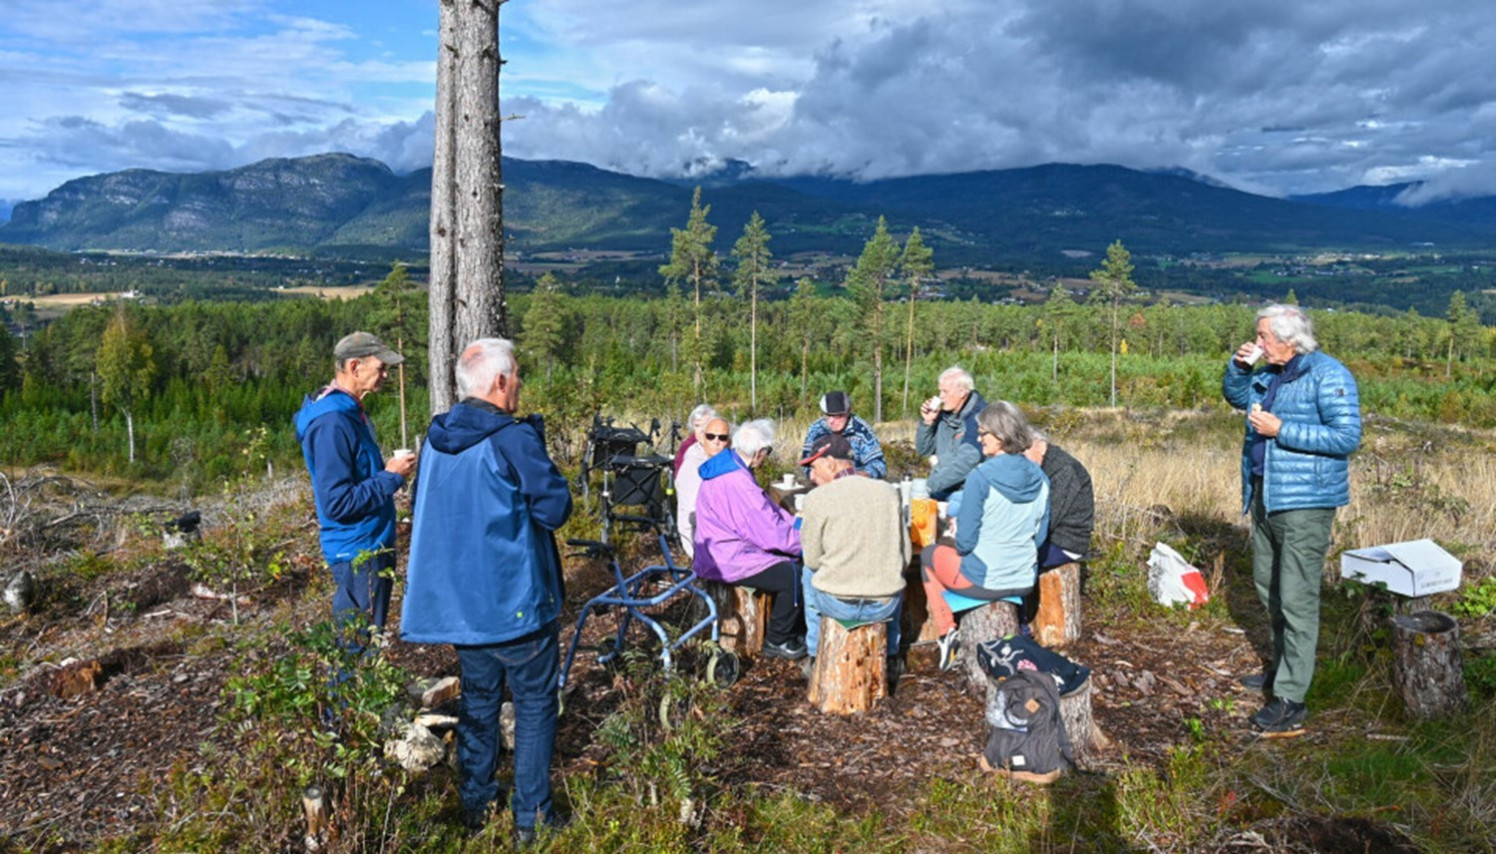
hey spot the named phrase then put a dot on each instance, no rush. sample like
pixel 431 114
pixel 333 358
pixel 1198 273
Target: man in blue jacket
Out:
pixel 353 486
pixel 1303 422
pixel 485 576
pixel 947 430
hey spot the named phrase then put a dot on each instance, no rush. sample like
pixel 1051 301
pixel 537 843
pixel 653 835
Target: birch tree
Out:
pixel 1114 283
pixel 693 262
pixel 126 365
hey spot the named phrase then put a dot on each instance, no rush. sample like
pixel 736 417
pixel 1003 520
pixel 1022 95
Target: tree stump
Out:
pixel 851 667
pixel 979 625
pixel 921 629
pixel 1427 666
pixel 1075 711
pixel 742 617
pixel 1058 620
pixel 315 806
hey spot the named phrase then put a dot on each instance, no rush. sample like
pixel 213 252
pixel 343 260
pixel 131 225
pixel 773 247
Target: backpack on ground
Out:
pixel 1028 740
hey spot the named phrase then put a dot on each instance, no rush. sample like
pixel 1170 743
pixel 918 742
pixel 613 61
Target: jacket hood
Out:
pixel 721 464
pixel 1015 476
pixel 313 408
pixel 465 425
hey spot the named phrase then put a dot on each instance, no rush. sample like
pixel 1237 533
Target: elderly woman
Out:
pixel 1303 422
pixel 742 537
pixel 1002 519
pixel 693 452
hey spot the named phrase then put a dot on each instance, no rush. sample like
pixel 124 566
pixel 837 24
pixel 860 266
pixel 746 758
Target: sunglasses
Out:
pixel 716 437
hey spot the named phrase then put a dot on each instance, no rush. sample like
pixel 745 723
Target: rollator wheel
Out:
pixel 673 711
pixel 722 669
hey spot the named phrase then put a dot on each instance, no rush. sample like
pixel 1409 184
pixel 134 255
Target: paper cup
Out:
pixel 787 481
pixel 1256 355
pixel 401 453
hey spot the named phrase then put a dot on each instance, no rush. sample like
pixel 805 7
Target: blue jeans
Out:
pixel 365 590
pixel 819 603
pixel 530 665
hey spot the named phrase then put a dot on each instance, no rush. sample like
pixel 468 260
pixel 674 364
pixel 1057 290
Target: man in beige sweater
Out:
pixel 855 544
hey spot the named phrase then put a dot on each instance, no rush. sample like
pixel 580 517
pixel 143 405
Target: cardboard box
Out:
pixel 1416 568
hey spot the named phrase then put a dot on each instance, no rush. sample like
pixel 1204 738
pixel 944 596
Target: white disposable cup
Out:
pixel 933 403
pixel 787 480
pixel 401 453
pixel 1255 355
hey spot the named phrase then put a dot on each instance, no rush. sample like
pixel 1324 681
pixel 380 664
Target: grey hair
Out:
pixel 752 437
pixel 959 376
pixel 1008 423
pixel 699 416
pixel 1291 325
pixel 480 363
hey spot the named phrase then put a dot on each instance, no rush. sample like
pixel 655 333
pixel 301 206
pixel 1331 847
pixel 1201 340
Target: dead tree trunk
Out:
pixel 467 223
pixel 1427 666
pixel 315 805
pixel 851 667
pixel 742 617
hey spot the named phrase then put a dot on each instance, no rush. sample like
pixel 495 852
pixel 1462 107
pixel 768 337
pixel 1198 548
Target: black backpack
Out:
pixel 1028 734
pixel 1007 656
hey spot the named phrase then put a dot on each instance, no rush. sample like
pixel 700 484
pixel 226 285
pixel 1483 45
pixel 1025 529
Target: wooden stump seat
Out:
pixel 851 666
pixel 1426 667
pixel 742 616
pixel 1058 620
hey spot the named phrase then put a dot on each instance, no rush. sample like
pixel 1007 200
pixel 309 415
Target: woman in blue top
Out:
pixel 1002 518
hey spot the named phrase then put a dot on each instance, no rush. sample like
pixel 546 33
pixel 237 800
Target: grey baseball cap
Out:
pixel 359 345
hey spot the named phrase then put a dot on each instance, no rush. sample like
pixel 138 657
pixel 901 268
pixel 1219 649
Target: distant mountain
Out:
pixel 1478 211
pixel 5 206
pixel 337 203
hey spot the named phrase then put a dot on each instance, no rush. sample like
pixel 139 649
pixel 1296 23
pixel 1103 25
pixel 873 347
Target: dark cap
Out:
pixel 833 445
pixel 360 345
pixel 836 403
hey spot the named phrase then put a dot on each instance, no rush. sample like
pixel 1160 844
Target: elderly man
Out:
pixel 742 537
pixel 867 454
pixel 1303 423
pixel 485 576
pixel 1072 504
pixel 948 431
pixel 709 435
pixel 354 488
pixel 854 542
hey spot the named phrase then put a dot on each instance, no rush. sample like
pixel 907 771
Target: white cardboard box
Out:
pixel 1415 568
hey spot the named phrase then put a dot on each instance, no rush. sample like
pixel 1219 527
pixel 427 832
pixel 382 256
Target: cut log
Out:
pixel 742 617
pixel 76 677
pixel 1427 666
pixel 851 667
pixel 979 625
pixel 917 623
pixel 1058 620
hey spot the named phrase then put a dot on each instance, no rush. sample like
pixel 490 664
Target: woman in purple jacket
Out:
pixel 743 537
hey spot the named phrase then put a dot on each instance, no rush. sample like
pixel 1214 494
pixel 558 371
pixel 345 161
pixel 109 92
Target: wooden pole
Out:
pixel 315 805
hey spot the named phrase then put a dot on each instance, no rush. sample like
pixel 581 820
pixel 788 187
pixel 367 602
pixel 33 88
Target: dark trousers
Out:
pixel 787 619
pixel 530 666
pixel 362 598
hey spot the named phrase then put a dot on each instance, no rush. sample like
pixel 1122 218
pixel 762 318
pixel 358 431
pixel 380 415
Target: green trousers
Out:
pixel 1288 564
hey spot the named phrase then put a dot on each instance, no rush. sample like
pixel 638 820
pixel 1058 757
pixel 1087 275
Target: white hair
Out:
pixel 959 376
pixel 699 416
pixel 1291 325
pixel 752 437
pixel 480 363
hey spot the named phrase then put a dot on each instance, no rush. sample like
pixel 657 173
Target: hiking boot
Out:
pixel 526 837
pixel 1281 716
pixel 950 644
pixel 1257 681
pixel 793 649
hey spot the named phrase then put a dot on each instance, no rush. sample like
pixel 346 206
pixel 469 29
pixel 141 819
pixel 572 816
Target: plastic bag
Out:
pixel 1171 579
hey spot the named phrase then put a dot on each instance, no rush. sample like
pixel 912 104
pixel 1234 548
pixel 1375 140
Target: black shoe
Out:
pixel 793 649
pixel 475 819
pixel 1257 681
pixel 895 669
pixel 1281 716
pixel 526 837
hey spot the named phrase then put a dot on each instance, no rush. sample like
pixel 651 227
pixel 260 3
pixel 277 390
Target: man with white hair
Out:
pixel 742 537
pixel 948 431
pixel 1303 422
pixel 485 576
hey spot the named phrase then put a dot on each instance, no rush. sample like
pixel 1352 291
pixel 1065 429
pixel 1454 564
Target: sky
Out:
pixel 1271 96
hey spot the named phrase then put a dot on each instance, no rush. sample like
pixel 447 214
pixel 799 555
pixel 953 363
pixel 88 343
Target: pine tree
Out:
pixel 544 321
pixel 805 309
pixel 1114 283
pixel 693 262
pixel 755 270
pixel 868 283
pixel 916 266
pixel 1057 313
pixel 126 365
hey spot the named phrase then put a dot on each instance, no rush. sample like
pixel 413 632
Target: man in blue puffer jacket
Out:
pixel 353 486
pixel 1303 422
pixel 485 576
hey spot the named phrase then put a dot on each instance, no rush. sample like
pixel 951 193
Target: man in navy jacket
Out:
pixel 485 576
pixel 353 486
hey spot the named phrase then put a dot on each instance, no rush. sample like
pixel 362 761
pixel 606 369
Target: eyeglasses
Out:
pixel 716 437
pixel 982 434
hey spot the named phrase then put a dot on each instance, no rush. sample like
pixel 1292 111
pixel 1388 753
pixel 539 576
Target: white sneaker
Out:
pixel 950 644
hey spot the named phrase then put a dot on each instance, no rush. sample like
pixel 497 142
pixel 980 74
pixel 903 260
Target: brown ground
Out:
pixel 84 767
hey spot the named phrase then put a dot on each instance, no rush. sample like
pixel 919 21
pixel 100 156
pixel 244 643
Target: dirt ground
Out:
pixel 78 767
